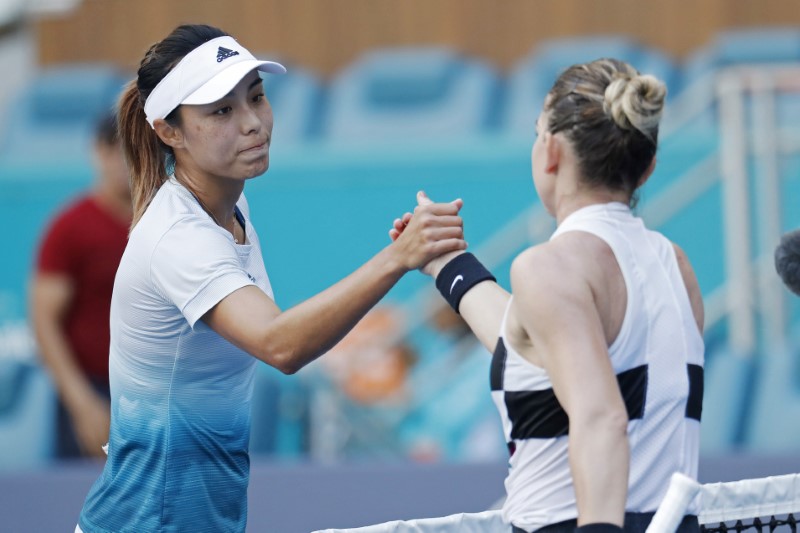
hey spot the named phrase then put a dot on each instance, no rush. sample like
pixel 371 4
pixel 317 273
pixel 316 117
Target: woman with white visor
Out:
pixel 192 309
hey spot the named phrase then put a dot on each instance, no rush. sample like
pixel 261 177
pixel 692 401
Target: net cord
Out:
pixel 727 501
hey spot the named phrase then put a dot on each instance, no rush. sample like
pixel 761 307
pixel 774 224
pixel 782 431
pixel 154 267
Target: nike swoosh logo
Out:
pixel 458 278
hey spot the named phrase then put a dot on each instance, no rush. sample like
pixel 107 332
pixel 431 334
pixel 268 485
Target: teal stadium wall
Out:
pixel 329 198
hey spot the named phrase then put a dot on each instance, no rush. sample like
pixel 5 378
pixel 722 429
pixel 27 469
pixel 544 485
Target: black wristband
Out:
pixel 599 527
pixel 458 276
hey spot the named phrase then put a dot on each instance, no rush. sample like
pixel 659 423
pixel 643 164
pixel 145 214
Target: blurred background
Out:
pixel 383 98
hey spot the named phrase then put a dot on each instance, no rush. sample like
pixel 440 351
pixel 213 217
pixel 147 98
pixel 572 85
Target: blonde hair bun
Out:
pixel 636 102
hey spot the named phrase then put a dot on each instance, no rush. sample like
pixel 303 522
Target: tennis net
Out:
pixel 763 504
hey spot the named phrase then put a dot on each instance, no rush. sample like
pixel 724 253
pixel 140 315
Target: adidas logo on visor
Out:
pixel 224 53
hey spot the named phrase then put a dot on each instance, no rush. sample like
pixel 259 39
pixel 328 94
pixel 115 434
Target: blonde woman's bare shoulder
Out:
pixel 574 259
pixel 545 266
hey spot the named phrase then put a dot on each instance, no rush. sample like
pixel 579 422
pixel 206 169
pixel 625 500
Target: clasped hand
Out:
pixel 434 234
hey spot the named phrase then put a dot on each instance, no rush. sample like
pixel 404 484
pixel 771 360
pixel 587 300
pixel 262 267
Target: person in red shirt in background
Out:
pixel 70 297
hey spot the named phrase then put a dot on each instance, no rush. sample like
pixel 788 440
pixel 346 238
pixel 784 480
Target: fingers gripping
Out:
pixel 422 199
pixel 434 228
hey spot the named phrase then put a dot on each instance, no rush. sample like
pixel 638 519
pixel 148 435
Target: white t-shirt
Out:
pixel 180 394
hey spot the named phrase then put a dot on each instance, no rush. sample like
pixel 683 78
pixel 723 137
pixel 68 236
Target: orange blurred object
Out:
pixel 368 364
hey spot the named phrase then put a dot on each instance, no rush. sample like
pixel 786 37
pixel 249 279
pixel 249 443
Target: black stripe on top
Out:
pixel 694 404
pixel 539 415
pixel 498 368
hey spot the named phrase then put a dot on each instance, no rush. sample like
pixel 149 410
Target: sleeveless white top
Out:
pixel 658 359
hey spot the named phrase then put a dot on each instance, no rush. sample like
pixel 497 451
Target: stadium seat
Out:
pixel 410 94
pixel 759 46
pixel 11 12
pixel 27 415
pixel 737 47
pixel 54 117
pixel 452 410
pixel 773 424
pixel 296 99
pixel 533 76
pixel 727 393
pixel 280 414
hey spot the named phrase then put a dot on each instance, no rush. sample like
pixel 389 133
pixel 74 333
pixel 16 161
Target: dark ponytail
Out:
pixel 148 158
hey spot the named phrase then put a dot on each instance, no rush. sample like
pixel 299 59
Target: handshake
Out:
pixel 431 236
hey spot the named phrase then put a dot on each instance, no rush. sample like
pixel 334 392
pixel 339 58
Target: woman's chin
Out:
pixel 257 168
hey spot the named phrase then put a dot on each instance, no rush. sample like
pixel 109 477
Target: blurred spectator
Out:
pixel 71 297
pixel 436 404
pixel 454 418
pixel 368 365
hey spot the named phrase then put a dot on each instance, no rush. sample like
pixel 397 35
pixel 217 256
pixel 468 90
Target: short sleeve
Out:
pixel 195 266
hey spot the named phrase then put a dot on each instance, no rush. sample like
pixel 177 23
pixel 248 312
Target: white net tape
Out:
pixel 487 521
pixel 718 502
pixel 729 501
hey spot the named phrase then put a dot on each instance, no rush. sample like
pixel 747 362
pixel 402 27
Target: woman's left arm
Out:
pixel 555 305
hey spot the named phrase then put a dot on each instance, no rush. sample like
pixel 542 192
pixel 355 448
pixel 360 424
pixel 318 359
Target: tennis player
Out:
pixel 598 364
pixel 192 308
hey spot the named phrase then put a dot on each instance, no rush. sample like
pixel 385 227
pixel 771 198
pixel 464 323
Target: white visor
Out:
pixel 204 75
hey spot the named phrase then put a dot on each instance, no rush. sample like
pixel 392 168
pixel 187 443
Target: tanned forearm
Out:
pixel 290 340
pixel 301 334
pixel 599 459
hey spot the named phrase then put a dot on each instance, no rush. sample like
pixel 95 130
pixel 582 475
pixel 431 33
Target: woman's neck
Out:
pixel 582 196
pixel 218 196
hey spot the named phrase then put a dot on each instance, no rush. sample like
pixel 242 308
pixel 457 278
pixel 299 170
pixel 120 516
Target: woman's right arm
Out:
pixel 554 303
pixel 482 307
pixel 289 340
